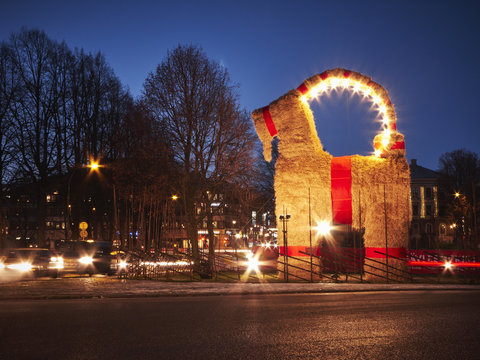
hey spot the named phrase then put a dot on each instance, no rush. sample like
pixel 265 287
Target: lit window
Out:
pixel 443 229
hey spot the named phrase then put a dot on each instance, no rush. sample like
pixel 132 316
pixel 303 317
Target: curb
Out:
pixel 147 289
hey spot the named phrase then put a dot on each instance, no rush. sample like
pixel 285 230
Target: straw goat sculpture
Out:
pixel 369 193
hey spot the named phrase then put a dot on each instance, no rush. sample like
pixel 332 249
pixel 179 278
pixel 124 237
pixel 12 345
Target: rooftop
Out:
pixel 420 172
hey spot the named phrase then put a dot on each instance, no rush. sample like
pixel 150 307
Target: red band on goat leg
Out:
pixel 269 122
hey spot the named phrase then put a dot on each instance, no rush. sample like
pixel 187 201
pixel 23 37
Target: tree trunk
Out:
pixel 211 239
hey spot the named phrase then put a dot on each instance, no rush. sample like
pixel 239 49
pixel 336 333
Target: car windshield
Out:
pixel 82 248
pixel 27 254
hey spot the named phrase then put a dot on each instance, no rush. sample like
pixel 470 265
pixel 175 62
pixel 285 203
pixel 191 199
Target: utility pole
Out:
pixel 284 219
pixel 474 208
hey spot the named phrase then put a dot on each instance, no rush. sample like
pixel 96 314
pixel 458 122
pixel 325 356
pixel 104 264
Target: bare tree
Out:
pixel 8 88
pixel 37 62
pixel 144 173
pixel 194 100
pixel 65 109
pixel 461 169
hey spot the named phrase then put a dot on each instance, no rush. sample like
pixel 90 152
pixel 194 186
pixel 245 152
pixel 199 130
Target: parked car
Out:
pixel 26 262
pixel 87 257
pixel 119 262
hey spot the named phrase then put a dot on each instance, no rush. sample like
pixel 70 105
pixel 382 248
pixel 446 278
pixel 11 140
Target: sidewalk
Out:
pixel 103 287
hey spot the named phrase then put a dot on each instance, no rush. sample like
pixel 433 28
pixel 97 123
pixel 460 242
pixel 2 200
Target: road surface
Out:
pixel 373 325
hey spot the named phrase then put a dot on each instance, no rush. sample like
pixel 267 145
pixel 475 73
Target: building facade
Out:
pixel 430 227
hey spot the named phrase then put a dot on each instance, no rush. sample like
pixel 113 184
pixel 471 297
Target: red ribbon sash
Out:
pixel 380 253
pixel 341 178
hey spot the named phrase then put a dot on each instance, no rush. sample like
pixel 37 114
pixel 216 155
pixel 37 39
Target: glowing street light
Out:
pixel 323 228
pixel 94 166
pixel 174 197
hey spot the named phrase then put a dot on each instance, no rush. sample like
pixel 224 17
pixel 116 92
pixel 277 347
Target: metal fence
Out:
pixel 340 264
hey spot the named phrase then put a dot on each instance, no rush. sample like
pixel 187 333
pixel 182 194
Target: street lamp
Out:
pixel 323 228
pixel 285 219
pixel 93 166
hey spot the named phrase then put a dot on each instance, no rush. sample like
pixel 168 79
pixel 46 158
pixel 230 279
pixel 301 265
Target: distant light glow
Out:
pixel 445 264
pixel 165 263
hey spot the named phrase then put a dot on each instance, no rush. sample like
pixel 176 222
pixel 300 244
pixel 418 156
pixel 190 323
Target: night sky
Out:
pixel 425 53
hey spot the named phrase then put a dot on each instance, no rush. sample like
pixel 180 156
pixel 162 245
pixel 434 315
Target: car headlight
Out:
pixel 122 264
pixel 252 262
pixel 23 266
pixel 56 262
pixel 2 266
pixel 86 260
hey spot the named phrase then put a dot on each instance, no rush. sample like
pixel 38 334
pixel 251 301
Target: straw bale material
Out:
pixel 380 185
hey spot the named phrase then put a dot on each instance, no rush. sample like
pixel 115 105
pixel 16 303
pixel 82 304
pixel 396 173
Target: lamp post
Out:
pixel 171 220
pixel 93 166
pixel 284 219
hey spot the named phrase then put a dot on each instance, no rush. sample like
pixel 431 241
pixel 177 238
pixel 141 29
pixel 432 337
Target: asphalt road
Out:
pixel 376 325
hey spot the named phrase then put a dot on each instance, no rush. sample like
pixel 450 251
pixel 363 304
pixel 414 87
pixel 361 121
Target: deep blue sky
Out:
pixel 425 53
